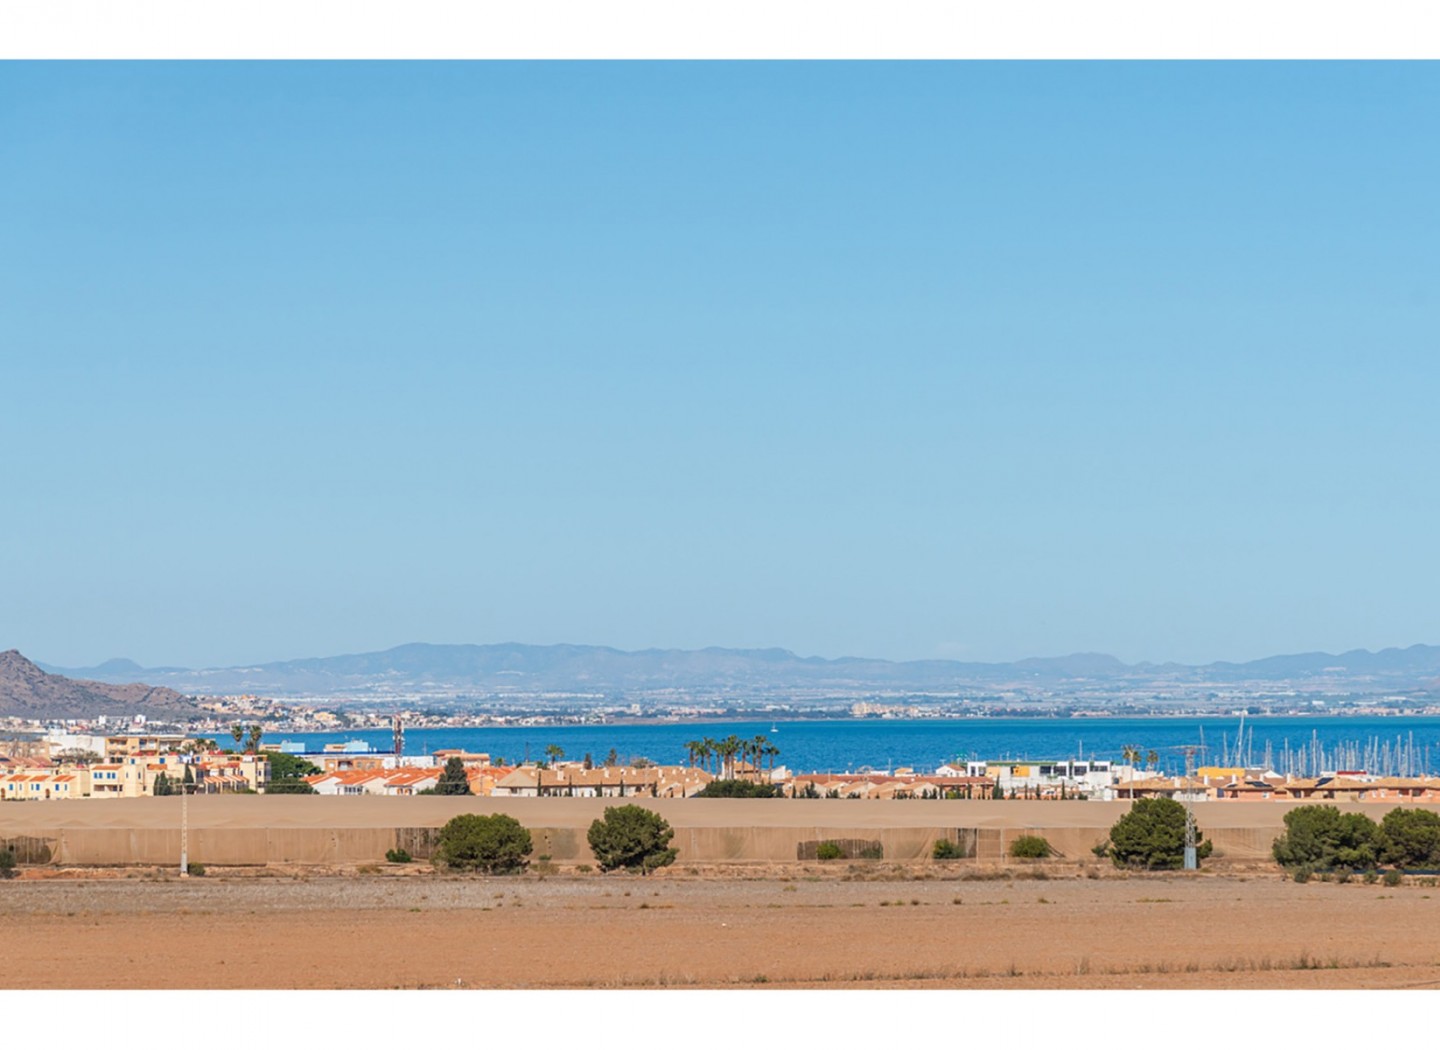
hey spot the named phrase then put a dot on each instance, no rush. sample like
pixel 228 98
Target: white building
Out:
pixel 1088 778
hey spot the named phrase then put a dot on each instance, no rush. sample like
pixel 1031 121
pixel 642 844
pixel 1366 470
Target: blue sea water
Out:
pixel 851 744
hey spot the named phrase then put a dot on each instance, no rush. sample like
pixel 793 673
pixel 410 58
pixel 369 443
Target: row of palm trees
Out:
pixel 1132 755
pixel 727 752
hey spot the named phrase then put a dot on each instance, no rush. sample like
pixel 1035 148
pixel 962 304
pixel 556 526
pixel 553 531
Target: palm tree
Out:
pixel 692 751
pixel 772 752
pixel 238 732
pixel 729 748
pixel 1131 754
pixel 757 750
pixel 252 738
pixel 1152 759
pixel 554 752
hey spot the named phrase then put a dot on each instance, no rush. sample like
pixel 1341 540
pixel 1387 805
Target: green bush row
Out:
pixel 626 837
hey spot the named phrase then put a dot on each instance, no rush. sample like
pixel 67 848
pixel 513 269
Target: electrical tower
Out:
pixel 1191 833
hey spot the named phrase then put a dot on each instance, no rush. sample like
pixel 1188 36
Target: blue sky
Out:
pixel 971 360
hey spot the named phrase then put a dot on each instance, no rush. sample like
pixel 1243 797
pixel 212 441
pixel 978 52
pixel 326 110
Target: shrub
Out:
pixel 1031 847
pixel 1152 836
pixel 631 837
pixel 1393 877
pixel 947 850
pixel 875 852
pixel 738 789
pixel 1302 873
pixel 496 844
pixel 829 851
pixel 194 869
pixel 7 864
pixel 1325 839
pixel 398 856
pixel 1410 838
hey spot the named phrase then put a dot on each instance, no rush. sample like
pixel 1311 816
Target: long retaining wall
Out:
pixel 256 830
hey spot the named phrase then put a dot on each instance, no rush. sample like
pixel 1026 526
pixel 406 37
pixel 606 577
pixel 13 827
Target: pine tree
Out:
pixel 453 780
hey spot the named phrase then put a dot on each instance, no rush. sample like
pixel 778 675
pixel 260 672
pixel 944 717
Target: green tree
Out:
pixel 162 786
pixel 238 732
pixel 554 753
pixel 737 789
pixel 631 837
pixel 1152 835
pixel 453 780
pixel 290 786
pixel 1322 839
pixel 7 863
pixel 252 738
pixel 189 777
pixel 1410 838
pixel 285 766
pixel 496 844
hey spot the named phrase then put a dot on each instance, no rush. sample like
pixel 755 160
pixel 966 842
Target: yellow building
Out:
pixel 36 786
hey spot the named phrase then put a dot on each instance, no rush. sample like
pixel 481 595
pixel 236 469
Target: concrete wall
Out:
pixel 255 830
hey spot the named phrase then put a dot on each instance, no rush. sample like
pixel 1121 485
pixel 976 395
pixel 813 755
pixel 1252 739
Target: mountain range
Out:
pixel 28 691
pixel 420 668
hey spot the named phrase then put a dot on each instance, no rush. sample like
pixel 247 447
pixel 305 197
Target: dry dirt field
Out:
pixel 853 926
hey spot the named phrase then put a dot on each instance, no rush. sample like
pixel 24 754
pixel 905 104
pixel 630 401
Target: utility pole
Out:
pixel 1190 844
pixel 185 830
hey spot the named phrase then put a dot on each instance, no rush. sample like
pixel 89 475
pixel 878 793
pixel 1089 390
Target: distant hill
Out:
pixel 420 668
pixel 116 670
pixel 26 691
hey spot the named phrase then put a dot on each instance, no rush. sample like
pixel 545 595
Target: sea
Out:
pixel 1304 745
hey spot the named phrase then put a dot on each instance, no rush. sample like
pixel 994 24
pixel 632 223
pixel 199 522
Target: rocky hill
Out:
pixel 28 692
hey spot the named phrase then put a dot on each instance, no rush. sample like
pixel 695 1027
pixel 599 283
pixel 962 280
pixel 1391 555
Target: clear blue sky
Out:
pixel 907 360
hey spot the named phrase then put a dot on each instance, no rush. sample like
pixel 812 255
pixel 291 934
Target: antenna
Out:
pixel 399 738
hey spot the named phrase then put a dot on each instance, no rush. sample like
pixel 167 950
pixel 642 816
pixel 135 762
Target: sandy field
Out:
pixel 297 896
pixel 857 925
